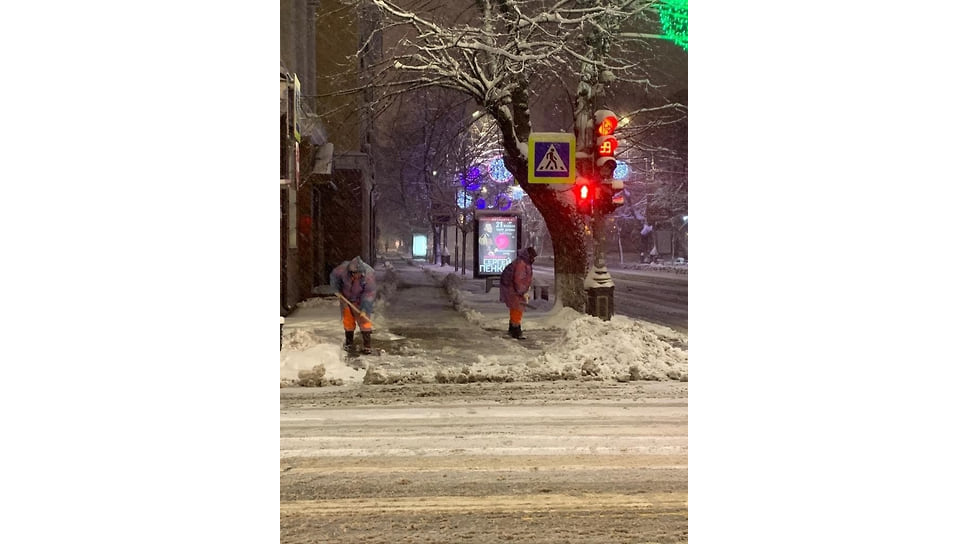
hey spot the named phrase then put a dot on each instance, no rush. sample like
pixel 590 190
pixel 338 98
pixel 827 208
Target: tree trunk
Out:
pixel 570 242
pixel 565 224
pixel 569 233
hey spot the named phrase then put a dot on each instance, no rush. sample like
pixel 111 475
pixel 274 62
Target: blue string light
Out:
pixel 497 171
pixel 474 173
pixel 464 200
pixel 621 170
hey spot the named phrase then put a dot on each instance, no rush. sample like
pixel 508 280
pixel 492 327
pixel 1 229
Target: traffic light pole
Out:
pixel 599 287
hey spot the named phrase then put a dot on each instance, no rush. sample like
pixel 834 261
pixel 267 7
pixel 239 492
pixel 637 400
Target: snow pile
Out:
pixel 320 364
pixel 621 349
pixel 314 302
pixel 560 317
pixel 292 362
pixel 452 284
pixel 674 268
pixel 298 339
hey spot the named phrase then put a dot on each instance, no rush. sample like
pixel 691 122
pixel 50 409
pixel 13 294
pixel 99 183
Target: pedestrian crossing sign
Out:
pixel 551 157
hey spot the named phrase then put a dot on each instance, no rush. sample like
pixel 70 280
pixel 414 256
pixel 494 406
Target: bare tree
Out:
pixel 507 55
pixel 434 139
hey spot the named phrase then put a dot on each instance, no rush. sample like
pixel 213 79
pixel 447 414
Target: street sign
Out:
pixel 551 157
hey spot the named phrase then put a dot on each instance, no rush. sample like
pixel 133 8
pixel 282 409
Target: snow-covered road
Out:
pixel 546 462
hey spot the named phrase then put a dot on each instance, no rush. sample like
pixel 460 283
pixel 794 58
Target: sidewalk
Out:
pixel 314 326
pixel 433 325
pixel 486 308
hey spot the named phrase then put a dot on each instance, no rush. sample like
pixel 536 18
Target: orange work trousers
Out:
pixel 350 320
pixel 516 316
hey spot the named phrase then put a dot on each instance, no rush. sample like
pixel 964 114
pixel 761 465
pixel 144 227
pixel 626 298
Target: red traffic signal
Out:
pixel 606 144
pixel 583 196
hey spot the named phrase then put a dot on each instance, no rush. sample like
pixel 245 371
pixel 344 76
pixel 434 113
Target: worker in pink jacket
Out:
pixel 356 281
pixel 515 283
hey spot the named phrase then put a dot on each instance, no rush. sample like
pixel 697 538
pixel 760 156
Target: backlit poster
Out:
pixel 419 246
pixel 496 243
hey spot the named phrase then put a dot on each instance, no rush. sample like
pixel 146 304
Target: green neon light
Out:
pixel 674 16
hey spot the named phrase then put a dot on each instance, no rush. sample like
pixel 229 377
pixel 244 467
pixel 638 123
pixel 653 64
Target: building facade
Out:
pixel 326 183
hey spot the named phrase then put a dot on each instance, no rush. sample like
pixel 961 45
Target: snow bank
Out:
pixel 620 349
pixel 452 284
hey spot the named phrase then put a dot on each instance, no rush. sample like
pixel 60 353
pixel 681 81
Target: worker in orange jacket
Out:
pixel 356 281
pixel 515 283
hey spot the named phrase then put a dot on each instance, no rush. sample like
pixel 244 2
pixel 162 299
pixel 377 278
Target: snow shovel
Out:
pixel 353 307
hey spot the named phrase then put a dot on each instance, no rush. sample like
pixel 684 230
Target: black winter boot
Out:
pixel 348 344
pixel 510 328
pixel 516 332
pixel 367 335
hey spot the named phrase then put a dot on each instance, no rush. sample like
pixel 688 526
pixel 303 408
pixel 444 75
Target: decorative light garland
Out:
pixel 674 16
pixel 502 202
pixel 472 180
pixel 621 170
pixel 497 171
pixel 474 173
pixel 464 200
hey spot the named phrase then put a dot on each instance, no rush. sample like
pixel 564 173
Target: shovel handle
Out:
pixel 353 306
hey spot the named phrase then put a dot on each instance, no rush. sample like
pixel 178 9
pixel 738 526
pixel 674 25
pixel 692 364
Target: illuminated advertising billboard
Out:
pixel 497 241
pixel 419 246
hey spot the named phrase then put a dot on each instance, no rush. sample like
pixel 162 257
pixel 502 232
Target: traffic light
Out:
pixel 606 144
pixel 618 193
pixel 584 193
pixel 613 194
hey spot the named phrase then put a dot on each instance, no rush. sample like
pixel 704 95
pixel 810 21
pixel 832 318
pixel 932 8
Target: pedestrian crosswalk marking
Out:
pixel 552 162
